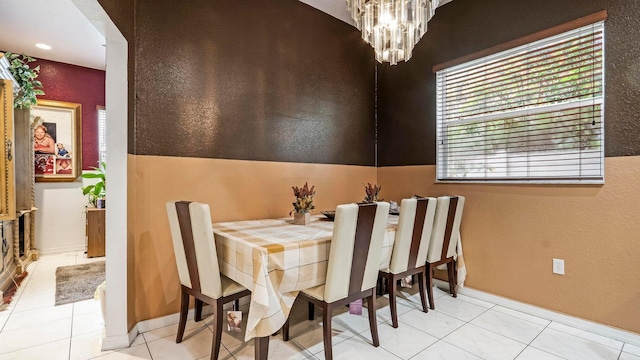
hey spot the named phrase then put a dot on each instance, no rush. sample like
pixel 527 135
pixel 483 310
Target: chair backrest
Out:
pixel 356 247
pixel 194 247
pixel 446 228
pixel 413 235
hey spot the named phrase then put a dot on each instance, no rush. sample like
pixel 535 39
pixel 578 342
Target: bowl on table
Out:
pixel 330 214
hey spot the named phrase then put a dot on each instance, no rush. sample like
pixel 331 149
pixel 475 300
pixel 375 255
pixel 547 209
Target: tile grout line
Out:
pixel 146 344
pixel 10 308
pixel 589 332
pixel 467 323
pixel 540 333
pixel 73 306
pixel 510 338
pixel 73 311
pixel 515 317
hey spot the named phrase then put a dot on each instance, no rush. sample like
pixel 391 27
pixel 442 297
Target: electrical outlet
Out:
pixel 558 266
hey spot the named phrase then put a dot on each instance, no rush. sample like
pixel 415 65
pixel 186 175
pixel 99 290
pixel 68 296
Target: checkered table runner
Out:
pixel 275 259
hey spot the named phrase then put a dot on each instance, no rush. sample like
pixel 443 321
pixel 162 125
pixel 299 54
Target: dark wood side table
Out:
pixel 95 232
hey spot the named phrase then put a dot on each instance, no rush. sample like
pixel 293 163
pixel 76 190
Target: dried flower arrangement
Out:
pixel 372 192
pixel 304 199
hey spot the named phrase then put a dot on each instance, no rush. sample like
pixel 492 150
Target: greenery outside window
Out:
pixel 102 135
pixel 532 113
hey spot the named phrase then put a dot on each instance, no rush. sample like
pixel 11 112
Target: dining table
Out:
pixel 275 259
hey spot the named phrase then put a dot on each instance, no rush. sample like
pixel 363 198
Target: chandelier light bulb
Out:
pixel 392 27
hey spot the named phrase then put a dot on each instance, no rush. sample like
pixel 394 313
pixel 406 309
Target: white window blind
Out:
pixel 533 113
pixel 102 135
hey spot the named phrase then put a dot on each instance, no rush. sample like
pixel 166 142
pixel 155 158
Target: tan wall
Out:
pixel 234 189
pixel 511 233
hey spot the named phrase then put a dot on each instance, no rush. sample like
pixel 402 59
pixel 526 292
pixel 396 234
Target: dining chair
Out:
pixel 197 261
pixel 444 239
pixel 352 269
pixel 410 248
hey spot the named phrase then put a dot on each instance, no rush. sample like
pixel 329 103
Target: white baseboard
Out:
pixel 578 323
pixel 58 250
pixel 119 341
pixel 160 322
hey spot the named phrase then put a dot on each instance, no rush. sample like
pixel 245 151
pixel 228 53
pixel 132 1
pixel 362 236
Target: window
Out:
pixel 102 135
pixel 533 113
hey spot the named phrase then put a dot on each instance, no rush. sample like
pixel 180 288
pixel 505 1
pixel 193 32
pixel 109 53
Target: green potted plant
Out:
pixel 303 204
pixel 26 78
pixel 96 192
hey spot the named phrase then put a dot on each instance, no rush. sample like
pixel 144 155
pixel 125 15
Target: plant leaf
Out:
pixel 87 189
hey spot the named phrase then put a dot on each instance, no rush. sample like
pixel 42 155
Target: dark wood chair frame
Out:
pixel 392 279
pixel 327 314
pixel 184 221
pixel 218 317
pixel 452 272
pixel 392 284
pixel 365 222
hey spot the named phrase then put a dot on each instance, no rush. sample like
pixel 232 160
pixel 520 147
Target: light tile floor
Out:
pixel 461 328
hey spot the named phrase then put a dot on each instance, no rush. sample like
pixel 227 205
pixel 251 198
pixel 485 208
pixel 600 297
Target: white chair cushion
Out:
pixel 315 292
pixel 230 287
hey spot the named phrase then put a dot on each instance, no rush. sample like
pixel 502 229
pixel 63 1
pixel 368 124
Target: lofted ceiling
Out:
pixel 58 23
pixel 73 39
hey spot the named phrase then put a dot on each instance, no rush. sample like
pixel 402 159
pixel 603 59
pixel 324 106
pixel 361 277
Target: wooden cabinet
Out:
pixel 95 232
pixel 17 190
pixel 7 180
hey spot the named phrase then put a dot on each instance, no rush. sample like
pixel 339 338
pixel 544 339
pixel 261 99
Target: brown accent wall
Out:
pixel 122 13
pixel 271 80
pixel 234 189
pixel 511 233
pixel 406 92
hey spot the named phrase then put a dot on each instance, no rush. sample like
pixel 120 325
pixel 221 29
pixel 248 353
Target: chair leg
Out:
pixel 261 345
pixel 421 285
pixel 326 331
pixel 451 274
pixel 184 309
pixel 311 314
pixel 285 330
pixel 198 311
pixel 455 275
pixel 393 283
pixel 373 323
pixel 217 329
pixel 432 305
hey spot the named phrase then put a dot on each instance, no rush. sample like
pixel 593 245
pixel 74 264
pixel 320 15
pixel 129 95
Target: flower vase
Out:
pixel 301 218
pixel 101 203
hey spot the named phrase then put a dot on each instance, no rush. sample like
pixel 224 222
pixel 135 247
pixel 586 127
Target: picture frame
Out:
pixel 57 140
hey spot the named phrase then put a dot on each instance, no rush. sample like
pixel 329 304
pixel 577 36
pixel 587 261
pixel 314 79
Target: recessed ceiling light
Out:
pixel 43 46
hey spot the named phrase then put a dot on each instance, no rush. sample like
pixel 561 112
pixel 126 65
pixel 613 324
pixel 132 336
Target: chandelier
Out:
pixel 392 27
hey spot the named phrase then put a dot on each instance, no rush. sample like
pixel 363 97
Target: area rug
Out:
pixel 7 296
pixel 78 282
